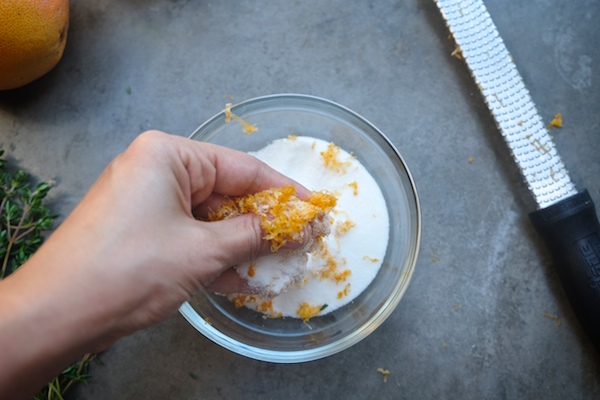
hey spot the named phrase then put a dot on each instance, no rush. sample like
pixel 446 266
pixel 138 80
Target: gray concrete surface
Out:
pixel 472 323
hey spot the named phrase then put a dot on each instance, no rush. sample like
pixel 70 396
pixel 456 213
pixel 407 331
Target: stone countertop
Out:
pixel 474 322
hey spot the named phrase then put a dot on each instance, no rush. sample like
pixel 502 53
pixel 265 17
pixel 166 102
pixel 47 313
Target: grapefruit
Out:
pixel 33 34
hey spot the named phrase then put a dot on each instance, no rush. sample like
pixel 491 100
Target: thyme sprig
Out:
pixel 72 375
pixel 23 220
pixel 23 217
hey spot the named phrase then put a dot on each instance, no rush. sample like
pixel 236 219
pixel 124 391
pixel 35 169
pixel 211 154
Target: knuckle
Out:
pixel 147 140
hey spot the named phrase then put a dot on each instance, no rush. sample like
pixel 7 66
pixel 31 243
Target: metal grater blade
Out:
pixel 508 99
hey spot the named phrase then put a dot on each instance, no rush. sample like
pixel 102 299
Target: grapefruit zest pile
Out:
pixel 283 215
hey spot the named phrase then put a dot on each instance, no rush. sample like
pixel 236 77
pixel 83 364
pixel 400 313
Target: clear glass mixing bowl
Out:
pixel 290 340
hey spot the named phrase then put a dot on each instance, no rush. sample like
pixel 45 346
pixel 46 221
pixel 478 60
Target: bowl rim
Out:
pixel 385 310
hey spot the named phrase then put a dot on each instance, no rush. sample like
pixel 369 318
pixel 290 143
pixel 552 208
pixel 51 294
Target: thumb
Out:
pixel 229 242
pixel 235 240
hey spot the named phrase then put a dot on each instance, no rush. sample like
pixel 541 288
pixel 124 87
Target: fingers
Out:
pixel 237 173
pixel 229 282
pixel 203 170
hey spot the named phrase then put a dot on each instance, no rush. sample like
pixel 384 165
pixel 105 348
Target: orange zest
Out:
pixel 284 216
pixel 330 158
pixel 307 311
pixel 246 126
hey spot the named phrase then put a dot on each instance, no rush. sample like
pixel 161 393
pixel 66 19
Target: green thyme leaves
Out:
pixel 23 217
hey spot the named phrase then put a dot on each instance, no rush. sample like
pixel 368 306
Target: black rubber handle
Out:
pixel 571 230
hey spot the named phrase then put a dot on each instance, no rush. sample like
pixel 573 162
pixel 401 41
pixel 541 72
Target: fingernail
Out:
pixel 298 244
pixel 293 245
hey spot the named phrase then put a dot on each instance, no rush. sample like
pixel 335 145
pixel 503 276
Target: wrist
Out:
pixel 42 330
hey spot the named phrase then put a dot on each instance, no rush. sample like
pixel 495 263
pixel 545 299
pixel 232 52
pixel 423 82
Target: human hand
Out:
pixel 133 250
pixel 136 230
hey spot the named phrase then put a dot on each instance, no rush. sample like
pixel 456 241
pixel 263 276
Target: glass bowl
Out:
pixel 290 340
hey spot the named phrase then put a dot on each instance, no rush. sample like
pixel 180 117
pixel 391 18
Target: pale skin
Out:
pixel 129 255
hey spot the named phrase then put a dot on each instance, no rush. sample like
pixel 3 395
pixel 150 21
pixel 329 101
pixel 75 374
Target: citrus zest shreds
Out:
pixel 343 275
pixel 344 227
pixel 283 215
pixel 354 186
pixel 322 200
pixel 266 306
pixel 330 158
pixel 246 126
pixel 306 311
pixel 557 122
pixel 344 292
pixel 331 270
pixel 241 300
pixel 371 259
pixel 251 269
